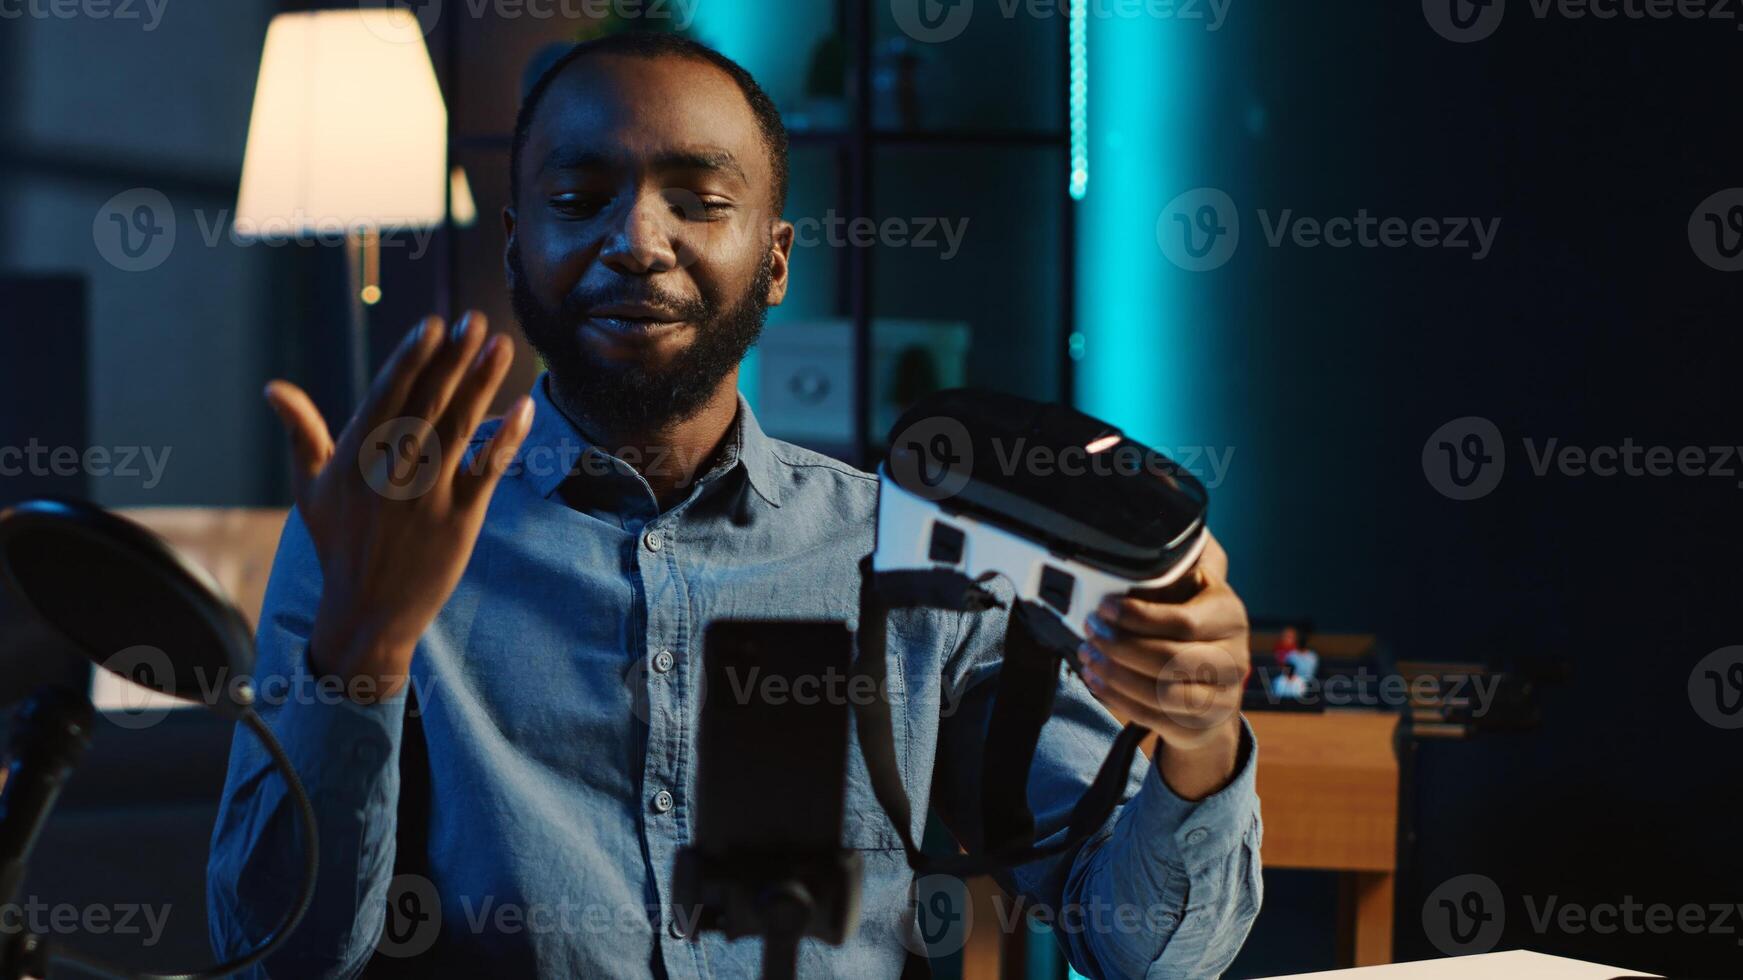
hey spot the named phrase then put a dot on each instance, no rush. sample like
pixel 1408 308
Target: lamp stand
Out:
pixel 363 289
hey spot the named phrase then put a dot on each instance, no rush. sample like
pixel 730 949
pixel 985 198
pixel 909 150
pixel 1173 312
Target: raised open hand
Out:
pixel 392 512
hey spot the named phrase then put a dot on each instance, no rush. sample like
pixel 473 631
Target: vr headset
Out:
pixel 978 484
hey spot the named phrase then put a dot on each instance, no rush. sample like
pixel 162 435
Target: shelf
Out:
pixel 937 137
pixel 844 137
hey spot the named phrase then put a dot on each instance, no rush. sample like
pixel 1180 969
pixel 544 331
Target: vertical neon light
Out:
pixel 1078 100
pixel 1141 317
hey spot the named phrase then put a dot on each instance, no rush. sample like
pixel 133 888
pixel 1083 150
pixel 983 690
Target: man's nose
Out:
pixel 642 242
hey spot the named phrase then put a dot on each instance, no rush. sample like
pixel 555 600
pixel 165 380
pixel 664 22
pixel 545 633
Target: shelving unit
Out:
pixel 858 145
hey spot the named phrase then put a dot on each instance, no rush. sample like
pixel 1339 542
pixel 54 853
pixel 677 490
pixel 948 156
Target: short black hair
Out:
pixel 659 44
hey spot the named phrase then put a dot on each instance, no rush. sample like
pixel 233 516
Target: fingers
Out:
pixel 474 484
pixel 1177 667
pixel 435 385
pixel 472 398
pixel 1214 563
pixel 311 445
pixel 1170 660
pixel 1193 707
pixel 393 384
pixel 1214 613
pixel 1211 567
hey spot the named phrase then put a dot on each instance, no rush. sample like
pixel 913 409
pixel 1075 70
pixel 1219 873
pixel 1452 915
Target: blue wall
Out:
pixel 1327 369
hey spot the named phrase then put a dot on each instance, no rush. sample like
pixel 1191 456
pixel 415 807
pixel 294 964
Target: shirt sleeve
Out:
pixel 347 756
pixel 1167 888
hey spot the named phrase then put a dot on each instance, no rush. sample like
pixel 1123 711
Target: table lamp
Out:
pixel 348 136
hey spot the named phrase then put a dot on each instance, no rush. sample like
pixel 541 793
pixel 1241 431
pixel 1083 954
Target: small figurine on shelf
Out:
pixel 1288 684
pixel 1294 656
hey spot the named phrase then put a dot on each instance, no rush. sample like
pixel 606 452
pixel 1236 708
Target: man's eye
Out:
pixel 577 205
pixel 693 208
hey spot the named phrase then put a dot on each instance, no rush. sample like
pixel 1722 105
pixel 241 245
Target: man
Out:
pixel 543 583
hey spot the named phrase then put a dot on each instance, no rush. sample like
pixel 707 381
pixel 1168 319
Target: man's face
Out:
pixel 644 250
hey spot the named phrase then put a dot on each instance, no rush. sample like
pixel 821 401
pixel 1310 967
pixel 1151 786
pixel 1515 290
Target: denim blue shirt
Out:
pixel 559 697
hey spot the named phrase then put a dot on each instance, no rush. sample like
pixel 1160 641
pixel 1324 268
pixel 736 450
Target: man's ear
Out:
pixel 508 218
pixel 780 250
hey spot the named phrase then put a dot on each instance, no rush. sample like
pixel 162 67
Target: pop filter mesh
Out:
pixel 127 609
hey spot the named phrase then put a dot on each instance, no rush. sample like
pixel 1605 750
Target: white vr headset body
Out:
pixel 916 534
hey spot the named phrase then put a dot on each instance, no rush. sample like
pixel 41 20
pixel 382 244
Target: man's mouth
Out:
pixel 634 319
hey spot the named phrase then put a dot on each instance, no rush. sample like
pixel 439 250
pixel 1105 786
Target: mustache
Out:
pixel 578 303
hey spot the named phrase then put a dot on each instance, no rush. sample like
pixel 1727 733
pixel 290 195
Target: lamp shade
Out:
pixel 349 130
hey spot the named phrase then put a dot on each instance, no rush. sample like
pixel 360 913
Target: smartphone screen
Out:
pixel 772 766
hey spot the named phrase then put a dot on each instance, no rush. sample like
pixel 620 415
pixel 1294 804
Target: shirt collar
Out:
pixel 757 452
pixel 554 447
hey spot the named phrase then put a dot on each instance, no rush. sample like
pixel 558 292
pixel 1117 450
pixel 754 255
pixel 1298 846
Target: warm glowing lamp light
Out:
pixel 348 137
pixel 462 208
pixel 349 129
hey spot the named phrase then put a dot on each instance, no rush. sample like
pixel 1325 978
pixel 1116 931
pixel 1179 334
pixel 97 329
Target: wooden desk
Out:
pixel 1328 788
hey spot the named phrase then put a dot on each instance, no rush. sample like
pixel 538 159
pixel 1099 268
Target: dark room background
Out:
pixel 1595 316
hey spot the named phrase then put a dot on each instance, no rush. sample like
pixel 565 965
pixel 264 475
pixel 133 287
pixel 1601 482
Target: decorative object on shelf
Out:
pixel 805 393
pixel 825 104
pixel 896 84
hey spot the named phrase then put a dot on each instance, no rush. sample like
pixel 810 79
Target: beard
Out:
pixel 630 397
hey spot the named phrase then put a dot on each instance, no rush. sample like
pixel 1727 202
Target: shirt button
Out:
pixel 663 661
pixel 662 802
pixel 1197 835
pixel 653 540
pixel 676 928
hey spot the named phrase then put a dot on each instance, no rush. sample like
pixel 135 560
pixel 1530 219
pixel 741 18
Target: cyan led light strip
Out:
pixel 1143 324
pixel 1079 99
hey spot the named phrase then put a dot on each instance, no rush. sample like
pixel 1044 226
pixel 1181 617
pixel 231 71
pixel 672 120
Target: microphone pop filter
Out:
pixel 126 600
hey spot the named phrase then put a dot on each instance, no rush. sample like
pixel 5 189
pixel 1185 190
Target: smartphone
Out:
pixel 773 738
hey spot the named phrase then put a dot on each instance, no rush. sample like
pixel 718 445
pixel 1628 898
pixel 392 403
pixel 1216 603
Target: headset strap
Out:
pixel 1035 645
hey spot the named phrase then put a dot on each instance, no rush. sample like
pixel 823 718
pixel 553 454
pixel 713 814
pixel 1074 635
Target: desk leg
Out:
pixel 1373 916
pixel 984 950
